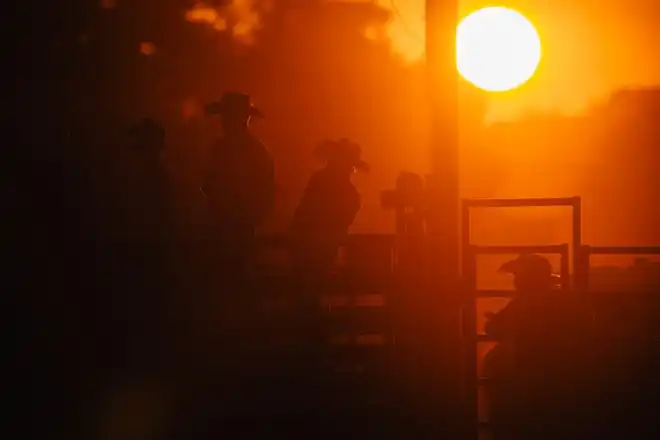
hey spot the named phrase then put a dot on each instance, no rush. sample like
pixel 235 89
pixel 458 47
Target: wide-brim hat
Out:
pixel 529 264
pixel 233 103
pixel 146 130
pixel 342 149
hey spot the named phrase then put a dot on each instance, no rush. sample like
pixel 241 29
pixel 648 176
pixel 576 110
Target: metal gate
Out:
pixel 471 339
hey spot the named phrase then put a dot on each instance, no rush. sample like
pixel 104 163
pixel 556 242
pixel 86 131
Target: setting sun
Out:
pixel 497 49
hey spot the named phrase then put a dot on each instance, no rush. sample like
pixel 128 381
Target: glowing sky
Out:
pixel 589 49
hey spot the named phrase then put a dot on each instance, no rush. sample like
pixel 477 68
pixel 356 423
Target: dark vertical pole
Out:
pixel 565 268
pixel 442 83
pixel 577 241
pixel 442 301
pixel 469 341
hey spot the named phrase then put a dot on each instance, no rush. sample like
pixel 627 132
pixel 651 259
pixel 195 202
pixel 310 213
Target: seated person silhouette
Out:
pixel 533 331
pixel 533 282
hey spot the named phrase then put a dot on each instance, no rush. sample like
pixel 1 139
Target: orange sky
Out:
pixel 589 48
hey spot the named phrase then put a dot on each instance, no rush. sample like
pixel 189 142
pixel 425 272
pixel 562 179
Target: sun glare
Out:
pixel 497 49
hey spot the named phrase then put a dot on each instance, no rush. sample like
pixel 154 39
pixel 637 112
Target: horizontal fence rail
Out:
pixel 520 249
pixel 621 250
pixel 283 241
pixel 521 203
pixel 495 294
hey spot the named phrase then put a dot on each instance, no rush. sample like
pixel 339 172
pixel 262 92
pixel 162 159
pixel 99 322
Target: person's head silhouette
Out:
pixel 235 110
pixel 531 273
pixel 342 156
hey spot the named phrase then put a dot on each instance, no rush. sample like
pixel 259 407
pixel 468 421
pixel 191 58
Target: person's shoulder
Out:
pixel 513 310
pixel 316 181
pixel 319 176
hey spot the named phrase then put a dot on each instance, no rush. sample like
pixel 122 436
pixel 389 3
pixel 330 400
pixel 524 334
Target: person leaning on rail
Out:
pixel 536 365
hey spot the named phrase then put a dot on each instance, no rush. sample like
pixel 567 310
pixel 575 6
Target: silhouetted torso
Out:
pixel 136 211
pixel 323 217
pixel 240 187
pixel 153 201
pixel 538 360
pixel 529 323
pixel 240 190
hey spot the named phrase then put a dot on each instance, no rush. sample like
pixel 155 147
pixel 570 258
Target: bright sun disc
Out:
pixel 497 49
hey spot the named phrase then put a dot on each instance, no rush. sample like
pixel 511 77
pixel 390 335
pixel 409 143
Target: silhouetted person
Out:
pixel 327 209
pixel 533 366
pixel 153 185
pixel 319 227
pixel 533 279
pixel 323 217
pixel 240 192
pixel 149 245
pixel 240 184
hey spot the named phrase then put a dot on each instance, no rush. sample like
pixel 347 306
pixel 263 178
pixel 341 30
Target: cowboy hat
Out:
pixel 529 264
pixel 232 102
pixel 342 149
